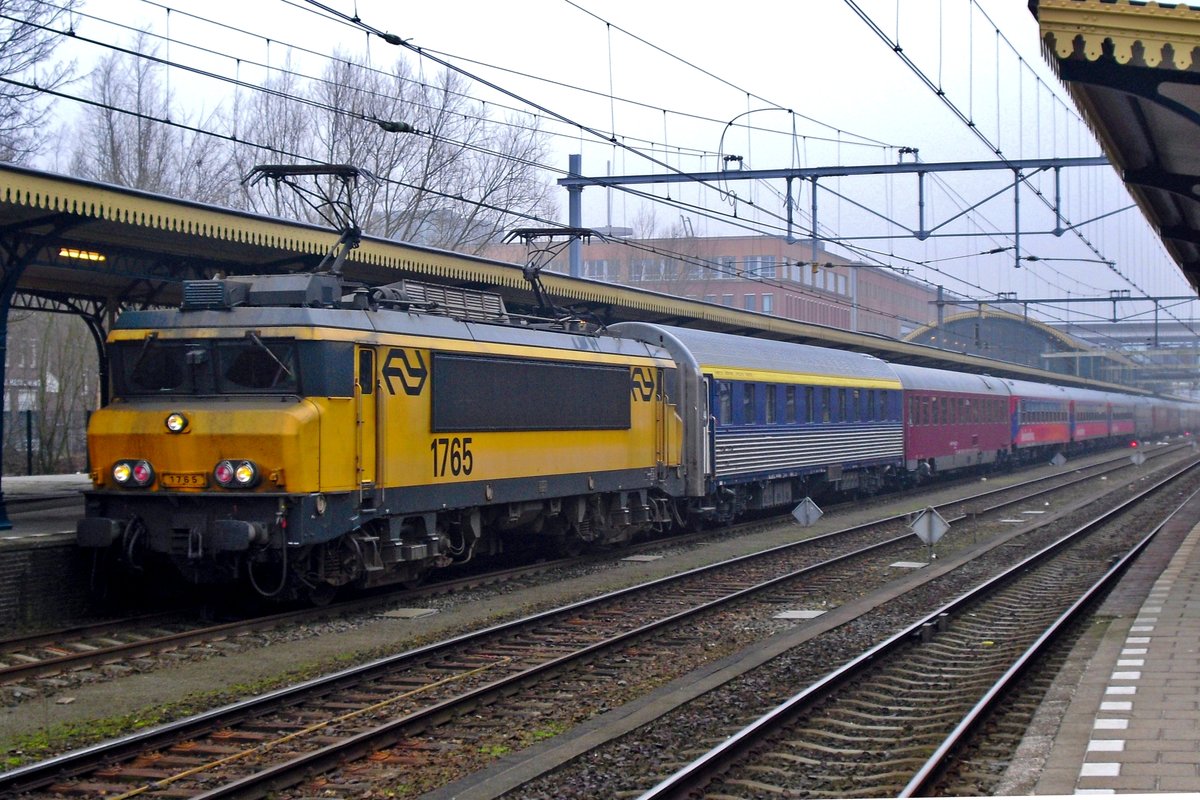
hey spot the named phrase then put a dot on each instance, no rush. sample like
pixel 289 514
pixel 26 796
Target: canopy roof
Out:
pixel 1134 72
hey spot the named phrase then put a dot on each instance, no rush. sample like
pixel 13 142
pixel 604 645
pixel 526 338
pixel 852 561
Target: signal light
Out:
pixel 223 473
pixel 234 473
pixel 245 474
pixel 133 473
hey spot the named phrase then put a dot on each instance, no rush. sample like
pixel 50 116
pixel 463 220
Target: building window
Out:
pixel 726 268
pixel 727 300
pixel 768 303
pixel 759 267
pixel 601 270
pixel 645 269
pixel 710 298
pixel 748 300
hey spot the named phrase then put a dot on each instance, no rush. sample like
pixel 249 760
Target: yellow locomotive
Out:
pixel 290 432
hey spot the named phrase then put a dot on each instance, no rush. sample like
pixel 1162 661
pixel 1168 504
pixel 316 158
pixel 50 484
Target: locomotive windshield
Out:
pixel 223 366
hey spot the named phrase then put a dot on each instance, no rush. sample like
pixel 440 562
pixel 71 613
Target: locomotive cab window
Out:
pixel 245 365
pixel 156 367
pixel 255 365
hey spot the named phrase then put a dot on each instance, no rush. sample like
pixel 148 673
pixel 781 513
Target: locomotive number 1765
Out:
pixel 452 456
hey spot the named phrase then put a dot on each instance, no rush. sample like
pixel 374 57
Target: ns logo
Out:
pixel 642 384
pixel 407 368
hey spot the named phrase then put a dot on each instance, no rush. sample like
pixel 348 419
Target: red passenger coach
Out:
pixel 1166 418
pixel 952 420
pixel 1040 417
pixel 1091 413
pixel 1123 416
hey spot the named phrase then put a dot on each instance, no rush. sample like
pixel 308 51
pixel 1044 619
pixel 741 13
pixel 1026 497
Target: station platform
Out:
pixel 42 505
pixel 44 485
pixel 1123 717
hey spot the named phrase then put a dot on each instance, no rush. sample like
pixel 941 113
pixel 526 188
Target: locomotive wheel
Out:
pixel 321 595
pixel 568 544
pixel 416 581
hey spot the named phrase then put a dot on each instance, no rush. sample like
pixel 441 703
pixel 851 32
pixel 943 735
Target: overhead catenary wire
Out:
pixel 766 225
pixel 970 123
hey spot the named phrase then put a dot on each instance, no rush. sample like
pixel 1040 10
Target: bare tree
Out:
pixel 27 42
pixel 275 126
pixel 52 384
pixel 447 175
pixel 127 138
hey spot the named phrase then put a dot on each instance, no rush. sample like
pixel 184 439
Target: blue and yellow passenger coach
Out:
pixel 783 421
pixel 276 430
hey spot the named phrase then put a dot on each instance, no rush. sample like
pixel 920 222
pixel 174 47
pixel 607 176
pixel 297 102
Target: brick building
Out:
pixel 757 273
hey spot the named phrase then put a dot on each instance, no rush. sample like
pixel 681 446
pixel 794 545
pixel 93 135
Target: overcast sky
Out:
pixel 816 84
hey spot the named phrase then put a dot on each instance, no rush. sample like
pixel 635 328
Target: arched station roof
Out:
pixel 994 333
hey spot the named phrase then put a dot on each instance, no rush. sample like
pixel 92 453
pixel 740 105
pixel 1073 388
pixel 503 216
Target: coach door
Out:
pixel 661 453
pixel 366 413
pixel 706 414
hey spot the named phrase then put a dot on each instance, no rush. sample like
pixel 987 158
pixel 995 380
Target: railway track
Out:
pixel 382 709
pixel 891 722
pixel 115 644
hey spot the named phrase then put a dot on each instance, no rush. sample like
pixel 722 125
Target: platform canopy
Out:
pixel 1133 69
pixel 96 249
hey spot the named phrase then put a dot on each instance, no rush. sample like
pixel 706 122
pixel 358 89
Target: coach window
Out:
pixel 771 399
pixel 748 392
pixel 810 409
pixel 826 404
pixel 724 403
pixel 789 405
